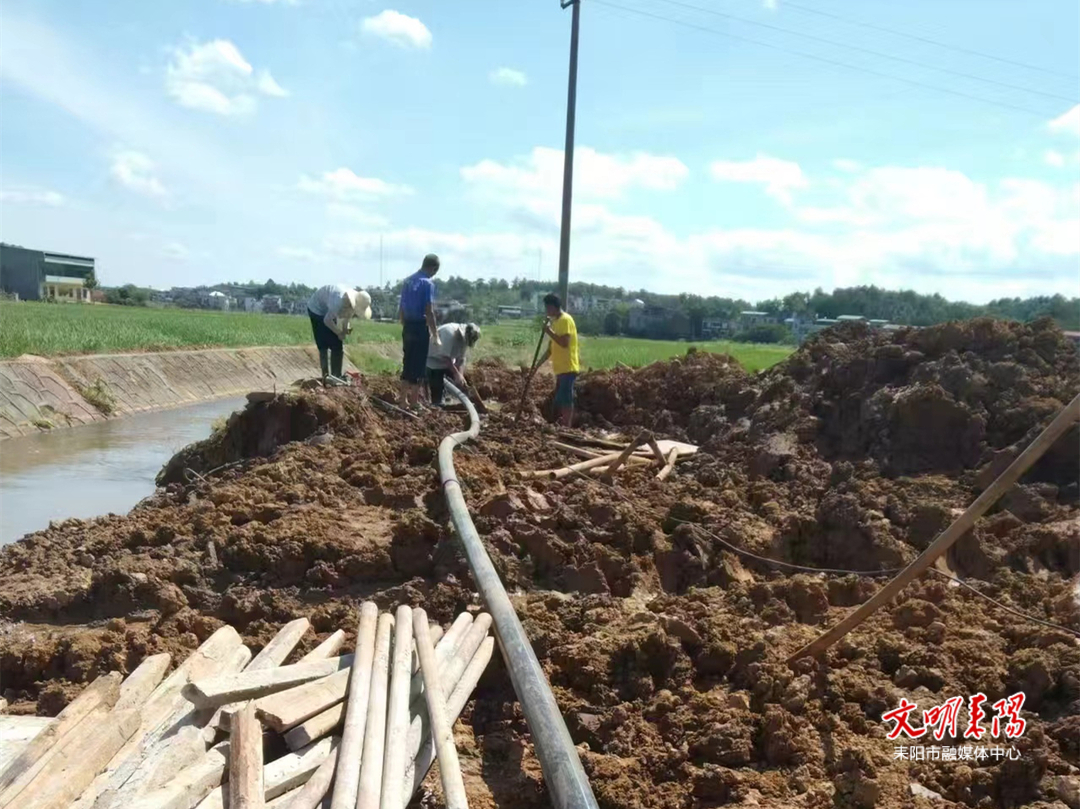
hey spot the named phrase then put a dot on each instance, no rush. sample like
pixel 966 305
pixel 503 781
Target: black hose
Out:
pixel 565 778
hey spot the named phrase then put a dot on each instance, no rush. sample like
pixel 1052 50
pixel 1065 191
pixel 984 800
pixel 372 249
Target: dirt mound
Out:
pixel 665 647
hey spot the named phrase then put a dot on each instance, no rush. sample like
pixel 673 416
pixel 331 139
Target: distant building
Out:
pixel 510 313
pixel 252 304
pixel 451 309
pixel 217 300
pixel 272 304
pixel 657 322
pixel 36 275
pixel 851 319
pixel 1074 336
pixel 749 319
pixel 583 304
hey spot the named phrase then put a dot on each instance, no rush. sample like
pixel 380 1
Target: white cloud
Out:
pixel 1054 158
pixel 780 177
pixel 538 178
pixel 399 29
pixel 769 4
pixel 507 77
pixel 345 184
pixel 31 195
pixel 1067 123
pixel 136 172
pixel 215 77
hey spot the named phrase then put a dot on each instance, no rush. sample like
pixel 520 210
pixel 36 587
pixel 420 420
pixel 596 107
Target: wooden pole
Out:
pixel 442 731
pixel 529 378
pixel 669 463
pixel 221 690
pixel 397 712
pixel 625 454
pixel 347 780
pixel 651 441
pixel 311 794
pixel 369 787
pixel 245 760
pixel 1068 416
pixel 592 463
pixel 581 452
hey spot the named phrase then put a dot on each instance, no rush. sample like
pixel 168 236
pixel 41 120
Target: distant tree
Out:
pixel 612 322
pixel 766 333
pixel 91 281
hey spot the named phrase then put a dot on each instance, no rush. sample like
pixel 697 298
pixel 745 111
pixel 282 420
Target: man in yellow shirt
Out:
pixel 563 350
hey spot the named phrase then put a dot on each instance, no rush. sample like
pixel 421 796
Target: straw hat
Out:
pixel 360 302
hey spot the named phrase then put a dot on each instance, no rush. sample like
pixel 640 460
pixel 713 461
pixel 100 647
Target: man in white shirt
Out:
pixel 331 309
pixel 447 357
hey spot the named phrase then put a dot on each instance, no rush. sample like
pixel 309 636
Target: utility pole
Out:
pixel 539 262
pixel 380 262
pixel 568 154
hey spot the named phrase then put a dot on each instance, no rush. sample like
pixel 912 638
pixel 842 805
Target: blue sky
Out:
pixel 196 142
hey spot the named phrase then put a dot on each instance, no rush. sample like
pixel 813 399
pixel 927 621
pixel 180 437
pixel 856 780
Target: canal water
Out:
pixel 101 468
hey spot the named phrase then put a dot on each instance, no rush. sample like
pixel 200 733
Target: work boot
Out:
pixel 324 363
pixel 336 361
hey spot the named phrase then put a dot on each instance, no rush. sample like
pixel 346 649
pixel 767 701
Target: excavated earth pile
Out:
pixel 665 648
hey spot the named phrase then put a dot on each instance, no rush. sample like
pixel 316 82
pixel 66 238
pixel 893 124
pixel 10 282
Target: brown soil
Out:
pixel 665 649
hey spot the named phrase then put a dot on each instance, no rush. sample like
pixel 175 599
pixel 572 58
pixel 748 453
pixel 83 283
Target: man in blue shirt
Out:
pixel 417 314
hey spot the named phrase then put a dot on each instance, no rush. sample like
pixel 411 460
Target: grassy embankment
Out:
pixel 55 329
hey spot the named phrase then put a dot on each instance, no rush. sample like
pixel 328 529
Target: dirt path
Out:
pixel 665 649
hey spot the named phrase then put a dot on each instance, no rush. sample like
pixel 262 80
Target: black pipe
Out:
pixel 565 778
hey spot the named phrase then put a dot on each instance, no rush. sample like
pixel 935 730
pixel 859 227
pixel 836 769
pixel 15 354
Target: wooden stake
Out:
pixel 669 463
pixel 283 774
pixel 189 787
pixel 245 760
pixel 328 648
pixel 442 731
pixel 579 451
pixel 1068 416
pixel 373 629
pixel 140 684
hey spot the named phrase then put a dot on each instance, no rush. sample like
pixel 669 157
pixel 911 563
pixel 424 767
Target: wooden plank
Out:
pixel 286 709
pixel 190 786
pixel 214 691
pixel 1068 416
pixel 164 713
pixel 78 761
pixel 16 732
pixel 328 648
pixel 283 774
pixel 272 655
pixel 102 694
pixel 140 684
pixel 245 760
pixel 315 793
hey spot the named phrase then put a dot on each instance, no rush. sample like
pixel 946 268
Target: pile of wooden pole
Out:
pixel 605 458
pixel 228 730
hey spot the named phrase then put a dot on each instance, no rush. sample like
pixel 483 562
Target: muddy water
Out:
pixel 95 469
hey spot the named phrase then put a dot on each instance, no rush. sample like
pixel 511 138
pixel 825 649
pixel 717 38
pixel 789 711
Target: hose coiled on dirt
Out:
pixel 563 773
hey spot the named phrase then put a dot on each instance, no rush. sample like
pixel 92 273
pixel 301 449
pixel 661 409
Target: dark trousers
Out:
pixel 327 343
pixel 436 378
pixel 414 344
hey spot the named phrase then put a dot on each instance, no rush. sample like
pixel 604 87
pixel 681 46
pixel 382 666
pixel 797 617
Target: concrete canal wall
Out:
pixel 38 393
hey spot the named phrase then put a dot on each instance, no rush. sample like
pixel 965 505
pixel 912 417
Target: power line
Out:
pixel 824 59
pixel 838 44
pixel 926 40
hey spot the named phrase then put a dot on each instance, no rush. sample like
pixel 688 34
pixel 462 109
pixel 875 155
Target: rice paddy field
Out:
pixel 57 329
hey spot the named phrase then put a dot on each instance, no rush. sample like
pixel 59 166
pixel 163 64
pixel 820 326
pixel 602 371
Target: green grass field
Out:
pixel 57 329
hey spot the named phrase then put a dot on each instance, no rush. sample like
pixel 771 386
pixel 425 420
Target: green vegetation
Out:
pixel 54 329
pixel 99 396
